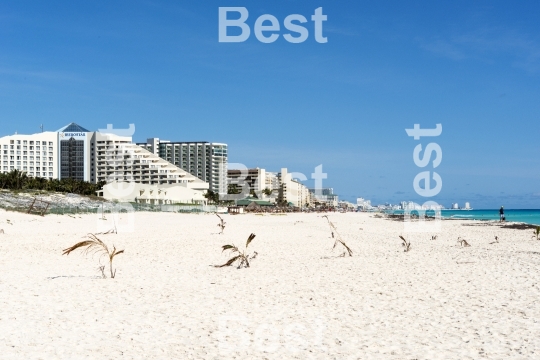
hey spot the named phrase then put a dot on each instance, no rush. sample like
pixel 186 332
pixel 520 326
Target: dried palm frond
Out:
pixel 405 244
pixel 242 257
pixel 537 233
pixel 111 231
pixel 221 224
pixel 463 242
pixel 94 245
pixel 337 238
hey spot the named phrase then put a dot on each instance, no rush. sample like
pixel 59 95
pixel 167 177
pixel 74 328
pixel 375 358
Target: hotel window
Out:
pixel 43 143
pixel 25 168
pixel 37 169
pixel 38 148
pixel 25 142
pixel 32 142
pixel 25 152
pixel 50 143
pixel 11 147
pixel 12 163
pixel 25 147
pixel 44 153
pixel 50 164
pixel 25 157
pixel 50 169
pixel 18 147
pixel 25 163
pixel 31 168
pixel 50 174
pixel 50 159
pixel 18 141
pixel 50 149
pixel 11 167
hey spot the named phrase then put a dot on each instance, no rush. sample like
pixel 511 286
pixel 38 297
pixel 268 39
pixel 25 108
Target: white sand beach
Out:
pixel 298 300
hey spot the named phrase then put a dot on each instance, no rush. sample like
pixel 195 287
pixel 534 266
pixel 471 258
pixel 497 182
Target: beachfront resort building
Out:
pixel 207 161
pixel 292 191
pixel 257 180
pixel 76 153
pixel 324 197
pixel 363 204
pixel 37 154
pixel 285 189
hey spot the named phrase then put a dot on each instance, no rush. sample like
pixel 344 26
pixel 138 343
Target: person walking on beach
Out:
pixel 501 212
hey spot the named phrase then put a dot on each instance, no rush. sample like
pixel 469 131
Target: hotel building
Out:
pixel 37 155
pixel 325 196
pixel 207 161
pixel 77 153
pixel 287 189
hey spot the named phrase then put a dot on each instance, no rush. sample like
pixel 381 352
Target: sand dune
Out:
pixel 298 300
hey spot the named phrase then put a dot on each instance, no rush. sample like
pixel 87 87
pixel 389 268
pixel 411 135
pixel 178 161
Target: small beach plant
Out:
pixel 240 257
pixel 463 242
pixel 94 245
pixel 337 238
pixel 537 233
pixel 221 224
pixel 406 244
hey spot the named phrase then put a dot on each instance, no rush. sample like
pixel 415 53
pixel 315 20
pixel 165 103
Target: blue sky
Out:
pixel 474 67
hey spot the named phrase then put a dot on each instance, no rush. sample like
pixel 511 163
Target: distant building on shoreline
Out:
pixel 285 189
pixel 325 196
pixel 207 161
pixel 363 204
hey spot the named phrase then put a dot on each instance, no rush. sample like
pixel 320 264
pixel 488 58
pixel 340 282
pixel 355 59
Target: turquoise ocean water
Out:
pixel 524 216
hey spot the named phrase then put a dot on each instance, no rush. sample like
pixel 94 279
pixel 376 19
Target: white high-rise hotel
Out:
pixel 77 153
pixel 207 161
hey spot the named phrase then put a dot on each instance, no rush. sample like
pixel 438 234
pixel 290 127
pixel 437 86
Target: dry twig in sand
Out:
pixel 94 245
pixel 434 237
pixel 242 257
pixel 537 233
pixel 463 242
pixel 1 231
pixel 405 244
pixel 337 238
pixel 221 224
pixel 496 240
